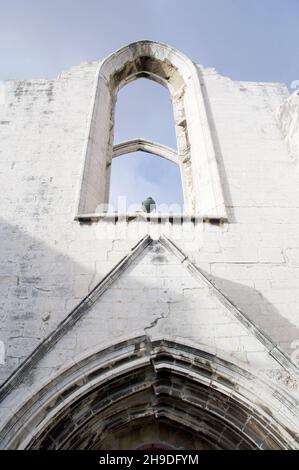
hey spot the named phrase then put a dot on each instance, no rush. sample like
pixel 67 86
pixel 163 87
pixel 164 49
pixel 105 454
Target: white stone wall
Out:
pixel 49 262
pixel 288 116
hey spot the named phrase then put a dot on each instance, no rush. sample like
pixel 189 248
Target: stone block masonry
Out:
pixel 50 261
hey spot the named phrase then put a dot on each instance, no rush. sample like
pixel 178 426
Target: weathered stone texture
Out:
pixel 49 261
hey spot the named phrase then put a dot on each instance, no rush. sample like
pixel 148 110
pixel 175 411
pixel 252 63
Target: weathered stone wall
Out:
pixel 49 261
pixel 288 115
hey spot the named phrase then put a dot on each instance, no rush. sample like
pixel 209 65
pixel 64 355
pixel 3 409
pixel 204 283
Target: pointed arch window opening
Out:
pixel 196 157
pixel 146 146
pixel 159 177
pixel 144 110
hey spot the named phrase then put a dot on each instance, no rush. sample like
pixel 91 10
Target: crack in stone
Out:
pixel 156 320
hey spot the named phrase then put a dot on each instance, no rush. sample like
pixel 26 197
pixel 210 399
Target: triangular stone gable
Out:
pixel 154 290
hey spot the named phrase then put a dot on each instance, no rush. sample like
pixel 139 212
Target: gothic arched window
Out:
pixel 144 121
pixel 195 151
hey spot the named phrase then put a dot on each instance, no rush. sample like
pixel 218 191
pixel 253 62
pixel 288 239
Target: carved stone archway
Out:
pixel 176 394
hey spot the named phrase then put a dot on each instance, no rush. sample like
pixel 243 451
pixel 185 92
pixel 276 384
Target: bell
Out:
pixel 148 205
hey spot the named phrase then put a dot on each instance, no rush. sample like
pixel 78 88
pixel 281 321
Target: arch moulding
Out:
pixel 165 383
pixel 202 189
pixel 136 145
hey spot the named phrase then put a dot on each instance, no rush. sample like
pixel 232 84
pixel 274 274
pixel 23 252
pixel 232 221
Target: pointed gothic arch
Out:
pixel 167 387
pixel 130 146
pixel 202 189
pixel 94 399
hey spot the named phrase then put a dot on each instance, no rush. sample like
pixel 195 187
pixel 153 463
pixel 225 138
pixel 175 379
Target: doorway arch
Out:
pixel 164 387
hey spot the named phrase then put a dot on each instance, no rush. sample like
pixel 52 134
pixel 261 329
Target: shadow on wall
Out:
pixel 260 311
pixel 39 287
pixel 250 301
pixel 37 290
pixel 217 148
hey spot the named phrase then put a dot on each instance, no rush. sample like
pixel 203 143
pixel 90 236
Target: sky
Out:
pixel 243 39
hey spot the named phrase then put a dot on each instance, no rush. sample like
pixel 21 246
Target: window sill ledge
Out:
pixel 153 217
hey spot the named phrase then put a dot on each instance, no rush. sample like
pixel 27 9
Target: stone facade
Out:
pixel 191 324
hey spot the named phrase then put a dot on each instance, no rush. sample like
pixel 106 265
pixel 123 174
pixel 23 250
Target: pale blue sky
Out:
pixel 243 39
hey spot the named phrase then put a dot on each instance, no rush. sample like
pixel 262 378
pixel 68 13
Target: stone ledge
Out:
pixel 144 217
